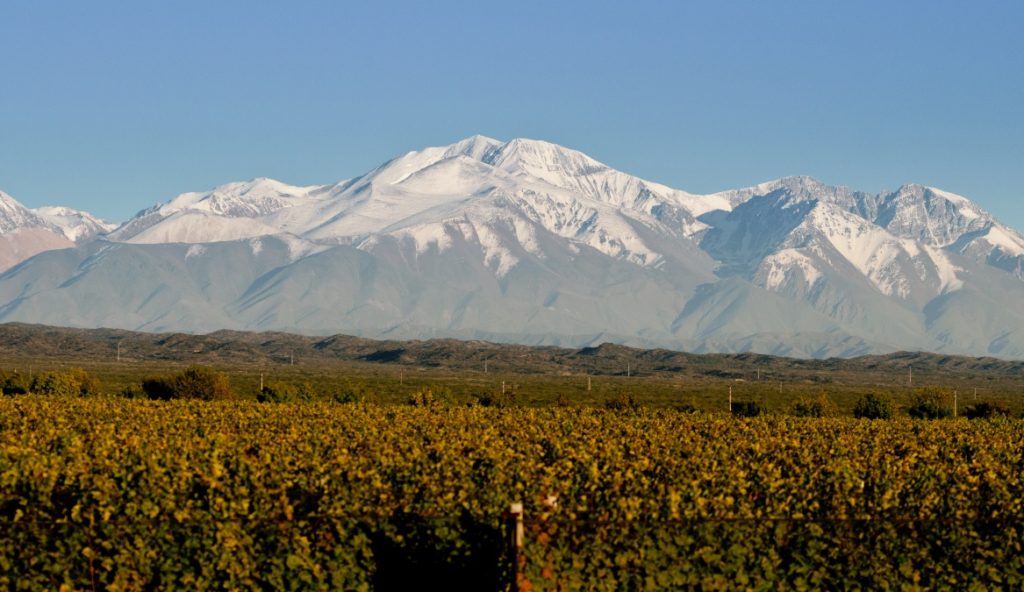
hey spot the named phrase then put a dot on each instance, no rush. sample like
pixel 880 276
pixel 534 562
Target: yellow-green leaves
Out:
pixel 129 494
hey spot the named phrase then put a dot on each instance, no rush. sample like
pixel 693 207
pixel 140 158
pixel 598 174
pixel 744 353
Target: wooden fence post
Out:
pixel 515 542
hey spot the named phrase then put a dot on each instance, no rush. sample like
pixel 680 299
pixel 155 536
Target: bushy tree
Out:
pixel 54 383
pixel 75 381
pixel 195 382
pixel 873 406
pixel 87 383
pixel 986 411
pixel 822 406
pixel 160 388
pixel 280 392
pixel 14 383
pixel 201 382
pixel 930 403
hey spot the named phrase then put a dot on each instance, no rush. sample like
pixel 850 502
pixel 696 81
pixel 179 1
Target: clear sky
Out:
pixel 113 106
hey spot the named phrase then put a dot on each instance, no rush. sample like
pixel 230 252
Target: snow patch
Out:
pixel 427 236
pixel 496 255
pixel 947 272
pixel 1007 240
pixel 778 267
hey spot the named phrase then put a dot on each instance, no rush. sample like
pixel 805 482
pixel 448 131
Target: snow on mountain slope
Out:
pixel 76 225
pixel 928 215
pixel 533 242
pixel 799 228
pixel 892 264
pixel 577 172
pixel 477 181
pixel 13 215
pixel 1002 238
pixel 227 212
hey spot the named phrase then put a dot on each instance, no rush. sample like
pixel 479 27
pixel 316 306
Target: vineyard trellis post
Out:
pixel 515 543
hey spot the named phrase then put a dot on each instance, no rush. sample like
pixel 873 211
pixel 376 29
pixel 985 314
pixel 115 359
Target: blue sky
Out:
pixel 113 106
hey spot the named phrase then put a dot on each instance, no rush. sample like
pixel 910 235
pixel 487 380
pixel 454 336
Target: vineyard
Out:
pixel 121 494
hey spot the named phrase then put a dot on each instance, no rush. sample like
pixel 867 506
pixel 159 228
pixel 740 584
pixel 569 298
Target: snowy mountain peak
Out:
pixel 933 216
pixel 476 147
pixel 246 199
pixel 76 225
pixel 528 240
pixel 543 160
pixel 226 212
pixel 14 216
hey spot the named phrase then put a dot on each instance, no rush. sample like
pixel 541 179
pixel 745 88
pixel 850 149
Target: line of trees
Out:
pixel 74 381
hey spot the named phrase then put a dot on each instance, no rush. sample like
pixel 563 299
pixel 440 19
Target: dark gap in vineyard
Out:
pixel 415 552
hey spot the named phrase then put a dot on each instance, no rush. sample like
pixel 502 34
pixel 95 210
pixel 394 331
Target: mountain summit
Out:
pixel 532 242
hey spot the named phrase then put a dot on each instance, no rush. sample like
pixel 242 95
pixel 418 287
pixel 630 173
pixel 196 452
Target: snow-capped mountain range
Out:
pixel 531 242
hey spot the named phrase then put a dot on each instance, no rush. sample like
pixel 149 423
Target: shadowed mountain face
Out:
pixel 529 242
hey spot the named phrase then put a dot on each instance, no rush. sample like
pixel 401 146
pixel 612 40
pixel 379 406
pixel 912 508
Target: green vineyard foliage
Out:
pixel 127 494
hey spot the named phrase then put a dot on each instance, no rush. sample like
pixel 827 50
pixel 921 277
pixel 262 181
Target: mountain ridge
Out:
pixel 528 240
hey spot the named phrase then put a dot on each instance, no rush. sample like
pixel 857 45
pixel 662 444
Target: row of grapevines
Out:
pixel 128 494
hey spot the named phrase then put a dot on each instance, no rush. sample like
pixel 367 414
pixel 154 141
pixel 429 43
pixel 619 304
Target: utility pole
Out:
pixel 261 382
pixel 627 370
pixel 730 398
pixel 759 374
pixel 588 383
pixel 118 351
pixel 954 404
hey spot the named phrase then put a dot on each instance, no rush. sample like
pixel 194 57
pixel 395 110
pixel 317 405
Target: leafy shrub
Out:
pixel 87 383
pixel 54 383
pixel 621 402
pixel 873 406
pixel 929 403
pixel 195 382
pixel 986 411
pixel 819 407
pixel 160 388
pixel 279 392
pixel 747 409
pixel 75 381
pixel 201 382
pixel 13 383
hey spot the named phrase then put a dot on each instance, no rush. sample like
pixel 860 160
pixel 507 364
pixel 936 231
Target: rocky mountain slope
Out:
pixel 530 242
